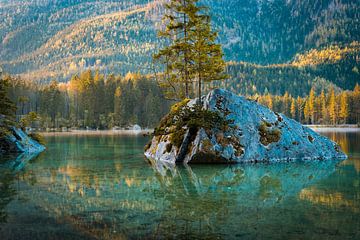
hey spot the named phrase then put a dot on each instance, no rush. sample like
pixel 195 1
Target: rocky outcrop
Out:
pixel 231 129
pixel 19 142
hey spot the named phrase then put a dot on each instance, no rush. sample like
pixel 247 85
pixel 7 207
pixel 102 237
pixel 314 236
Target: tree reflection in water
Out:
pixel 103 188
pixel 200 197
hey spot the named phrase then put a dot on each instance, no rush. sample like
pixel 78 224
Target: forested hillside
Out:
pixel 334 66
pixel 46 39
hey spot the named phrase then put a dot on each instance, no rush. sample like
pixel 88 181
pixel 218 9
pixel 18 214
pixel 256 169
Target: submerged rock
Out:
pixel 19 142
pixel 231 129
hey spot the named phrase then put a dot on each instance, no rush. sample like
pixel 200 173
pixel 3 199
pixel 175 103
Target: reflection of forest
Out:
pixel 349 143
pixel 10 165
pixel 331 199
pixel 115 199
pixel 344 181
pixel 107 192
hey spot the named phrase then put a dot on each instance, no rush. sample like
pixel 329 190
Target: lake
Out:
pixel 101 187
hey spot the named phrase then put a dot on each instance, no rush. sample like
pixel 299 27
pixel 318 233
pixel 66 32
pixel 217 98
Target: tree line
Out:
pixel 332 107
pixel 88 100
pixel 92 100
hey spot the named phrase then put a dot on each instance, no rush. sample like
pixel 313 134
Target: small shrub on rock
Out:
pixel 37 137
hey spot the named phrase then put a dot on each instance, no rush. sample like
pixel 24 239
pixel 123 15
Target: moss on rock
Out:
pixel 268 134
pixel 183 117
pixel 37 137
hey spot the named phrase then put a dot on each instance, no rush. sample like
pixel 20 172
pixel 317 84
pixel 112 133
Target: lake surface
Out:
pixel 101 187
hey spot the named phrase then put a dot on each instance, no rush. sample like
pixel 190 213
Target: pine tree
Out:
pixel 311 103
pixel 7 107
pixel 52 101
pixel 332 107
pixel 300 106
pixel 344 107
pixel 307 113
pixel 208 57
pixel 270 102
pixel 356 103
pixel 177 57
pixel 293 108
pixel 324 110
pixel 192 54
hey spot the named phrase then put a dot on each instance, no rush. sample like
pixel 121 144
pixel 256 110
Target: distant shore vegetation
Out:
pixel 91 100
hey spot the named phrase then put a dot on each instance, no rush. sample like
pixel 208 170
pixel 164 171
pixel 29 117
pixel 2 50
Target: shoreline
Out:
pixel 316 128
pixel 99 132
pixel 334 128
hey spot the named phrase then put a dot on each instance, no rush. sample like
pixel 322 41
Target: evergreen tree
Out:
pixel 300 110
pixel 7 107
pixel 356 103
pixel 307 111
pixel 177 57
pixel 192 54
pixel 270 102
pixel 293 109
pixel 344 108
pixel 51 101
pixel 332 107
pixel 208 62
pixel 311 106
pixel 324 110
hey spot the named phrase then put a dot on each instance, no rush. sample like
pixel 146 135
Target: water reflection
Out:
pixel 102 187
pixel 268 183
pixel 10 165
pixel 332 199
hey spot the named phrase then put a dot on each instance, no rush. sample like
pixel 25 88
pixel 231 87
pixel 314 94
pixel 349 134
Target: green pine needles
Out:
pixel 7 108
pixel 192 55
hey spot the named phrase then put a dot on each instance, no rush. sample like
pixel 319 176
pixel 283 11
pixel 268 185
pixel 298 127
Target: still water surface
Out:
pixel 101 187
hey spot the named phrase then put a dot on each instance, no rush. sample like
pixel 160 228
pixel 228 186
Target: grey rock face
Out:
pixel 19 142
pixel 256 134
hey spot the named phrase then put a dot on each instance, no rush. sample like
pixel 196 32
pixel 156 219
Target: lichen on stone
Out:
pixel 268 133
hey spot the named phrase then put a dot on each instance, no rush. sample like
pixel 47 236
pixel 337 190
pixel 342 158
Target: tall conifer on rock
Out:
pixel 176 56
pixel 192 54
pixel 208 57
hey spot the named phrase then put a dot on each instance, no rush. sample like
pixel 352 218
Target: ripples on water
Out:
pixel 102 187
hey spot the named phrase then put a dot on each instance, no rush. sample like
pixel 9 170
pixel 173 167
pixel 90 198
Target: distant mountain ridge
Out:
pixel 43 39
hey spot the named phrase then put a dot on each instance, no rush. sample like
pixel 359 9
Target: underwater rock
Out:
pixel 228 128
pixel 19 142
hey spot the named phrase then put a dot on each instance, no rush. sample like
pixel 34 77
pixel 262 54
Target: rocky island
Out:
pixel 226 128
pixel 16 141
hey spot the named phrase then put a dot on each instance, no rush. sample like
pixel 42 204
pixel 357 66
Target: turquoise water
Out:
pixel 101 187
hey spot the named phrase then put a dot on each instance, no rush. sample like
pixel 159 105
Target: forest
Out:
pixel 88 101
pixel 91 100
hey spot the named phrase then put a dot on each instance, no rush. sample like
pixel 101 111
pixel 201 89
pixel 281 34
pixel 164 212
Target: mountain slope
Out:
pixel 333 66
pixel 44 39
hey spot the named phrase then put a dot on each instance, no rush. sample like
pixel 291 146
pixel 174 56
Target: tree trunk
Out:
pixel 185 57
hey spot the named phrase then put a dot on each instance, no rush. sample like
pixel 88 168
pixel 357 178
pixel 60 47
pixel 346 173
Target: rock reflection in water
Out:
pixel 266 182
pixel 204 196
pixel 103 188
pixel 10 165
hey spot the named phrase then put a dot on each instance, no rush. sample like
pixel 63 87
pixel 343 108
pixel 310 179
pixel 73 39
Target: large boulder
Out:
pixel 16 141
pixel 233 129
